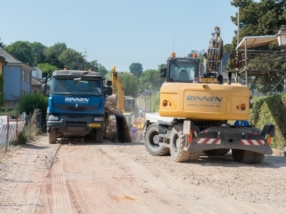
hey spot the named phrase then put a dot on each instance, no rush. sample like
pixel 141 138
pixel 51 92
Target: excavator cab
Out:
pixel 185 70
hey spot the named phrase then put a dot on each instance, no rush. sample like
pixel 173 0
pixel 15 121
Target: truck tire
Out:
pixel 178 141
pixel 152 142
pixel 98 135
pixel 247 156
pixel 217 152
pixel 52 136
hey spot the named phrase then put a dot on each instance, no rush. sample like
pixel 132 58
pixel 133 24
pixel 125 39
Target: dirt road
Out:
pixel 77 177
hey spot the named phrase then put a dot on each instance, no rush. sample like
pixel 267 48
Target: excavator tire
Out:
pixel 152 142
pixel 178 141
pixel 248 157
pixel 217 152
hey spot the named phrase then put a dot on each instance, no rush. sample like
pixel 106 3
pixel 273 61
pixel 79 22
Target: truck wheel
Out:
pixel 52 136
pixel 218 152
pixel 247 156
pixel 257 158
pixel 98 135
pixel 177 142
pixel 152 142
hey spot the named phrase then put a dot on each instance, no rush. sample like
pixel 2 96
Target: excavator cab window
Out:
pixel 182 71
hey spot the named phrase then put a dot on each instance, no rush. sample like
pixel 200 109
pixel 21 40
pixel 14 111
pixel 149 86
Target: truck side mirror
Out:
pixel 44 89
pixel 163 73
pixel 109 83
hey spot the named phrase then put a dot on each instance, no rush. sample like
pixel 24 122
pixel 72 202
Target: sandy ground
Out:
pixel 80 177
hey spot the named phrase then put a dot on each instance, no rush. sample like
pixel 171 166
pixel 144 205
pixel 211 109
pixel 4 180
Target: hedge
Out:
pixel 271 110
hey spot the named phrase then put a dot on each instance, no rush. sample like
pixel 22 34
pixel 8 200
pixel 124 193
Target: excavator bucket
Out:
pixel 117 128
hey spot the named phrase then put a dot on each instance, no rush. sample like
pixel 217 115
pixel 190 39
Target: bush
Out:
pixel 271 110
pixel 29 102
pixel 22 138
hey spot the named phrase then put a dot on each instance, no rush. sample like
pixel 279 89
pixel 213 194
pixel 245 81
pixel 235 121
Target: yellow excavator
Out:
pixel 120 103
pixel 195 107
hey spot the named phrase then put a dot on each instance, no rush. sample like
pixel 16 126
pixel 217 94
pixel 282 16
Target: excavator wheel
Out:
pixel 152 142
pixel 178 141
pixel 249 157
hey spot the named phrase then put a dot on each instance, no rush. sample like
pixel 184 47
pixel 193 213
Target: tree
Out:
pixel 130 84
pixel 199 53
pixel 150 79
pixel 260 18
pixel 38 52
pixel 1 43
pixel 22 51
pixel 136 69
pixel 47 68
pixel 102 69
pixel 72 59
pixel 52 54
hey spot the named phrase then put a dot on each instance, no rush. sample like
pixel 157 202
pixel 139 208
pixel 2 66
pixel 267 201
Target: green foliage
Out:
pixel 200 54
pixel 72 60
pixel 150 79
pixel 22 51
pixel 155 102
pixel 130 84
pixel 271 110
pixel 136 69
pixel 1 90
pixel 52 54
pixel 259 18
pixel 29 102
pixel 22 137
pixel 47 68
pixel 1 43
pixel 37 52
pixel 102 69
pixel 8 111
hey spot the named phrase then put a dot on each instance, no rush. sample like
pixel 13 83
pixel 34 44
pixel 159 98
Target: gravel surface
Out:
pixel 81 177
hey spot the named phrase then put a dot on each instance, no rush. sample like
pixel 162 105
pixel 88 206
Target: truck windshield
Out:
pixel 77 87
pixel 182 71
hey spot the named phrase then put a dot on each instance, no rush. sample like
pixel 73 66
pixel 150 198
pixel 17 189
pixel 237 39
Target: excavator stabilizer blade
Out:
pixel 117 128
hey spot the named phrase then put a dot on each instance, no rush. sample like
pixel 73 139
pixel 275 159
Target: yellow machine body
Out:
pixel 198 101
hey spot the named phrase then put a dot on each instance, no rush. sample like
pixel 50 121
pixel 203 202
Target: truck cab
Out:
pixel 76 104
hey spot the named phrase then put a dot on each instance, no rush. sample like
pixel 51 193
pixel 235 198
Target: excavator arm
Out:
pixel 117 83
pixel 213 57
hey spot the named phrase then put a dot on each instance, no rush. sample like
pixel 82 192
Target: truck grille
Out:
pixel 76 123
pixel 76 109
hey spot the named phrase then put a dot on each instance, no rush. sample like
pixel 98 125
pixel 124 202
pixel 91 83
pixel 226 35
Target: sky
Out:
pixel 118 32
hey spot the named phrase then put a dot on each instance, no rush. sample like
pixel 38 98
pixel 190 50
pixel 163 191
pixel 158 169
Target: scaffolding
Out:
pixel 248 59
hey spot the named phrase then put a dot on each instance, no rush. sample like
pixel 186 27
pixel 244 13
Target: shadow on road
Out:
pixel 227 161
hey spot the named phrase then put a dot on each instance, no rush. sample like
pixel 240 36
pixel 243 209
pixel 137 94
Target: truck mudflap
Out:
pixel 243 138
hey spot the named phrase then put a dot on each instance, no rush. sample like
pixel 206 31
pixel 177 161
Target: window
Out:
pixel 28 77
pixel 23 76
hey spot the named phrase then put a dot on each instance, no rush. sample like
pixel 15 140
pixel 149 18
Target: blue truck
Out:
pixel 76 105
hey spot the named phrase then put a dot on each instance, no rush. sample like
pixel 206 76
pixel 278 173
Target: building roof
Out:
pixel 35 81
pixel 255 41
pixel 2 60
pixel 9 58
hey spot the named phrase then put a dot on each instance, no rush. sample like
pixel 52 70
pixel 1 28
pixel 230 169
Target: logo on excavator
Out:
pixel 76 99
pixel 204 98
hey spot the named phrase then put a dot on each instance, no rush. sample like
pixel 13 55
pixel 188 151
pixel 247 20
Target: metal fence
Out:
pixel 9 129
